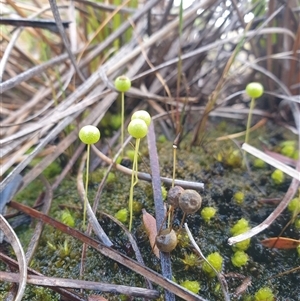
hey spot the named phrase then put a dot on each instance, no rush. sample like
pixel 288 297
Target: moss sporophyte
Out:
pixel 137 128
pixel 166 240
pixel 254 90
pixel 122 84
pixel 88 134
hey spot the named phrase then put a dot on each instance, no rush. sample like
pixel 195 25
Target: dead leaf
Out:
pixel 151 230
pixel 281 243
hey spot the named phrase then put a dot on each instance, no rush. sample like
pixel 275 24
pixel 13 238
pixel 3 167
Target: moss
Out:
pixel 239 197
pixel 67 218
pixel 54 258
pixel 297 223
pixel 115 121
pixel 183 238
pixel 278 176
pixel 52 170
pixel 259 163
pixel 164 192
pixel 216 260
pixel 264 294
pixel 190 260
pixel 122 215
pixel 193 286
pixel 239 227
pixel 288 148
pixel 242 245
pixel 161 139
pixel 294 205
pixel 234 159
pixel 208 213
pixel 239 259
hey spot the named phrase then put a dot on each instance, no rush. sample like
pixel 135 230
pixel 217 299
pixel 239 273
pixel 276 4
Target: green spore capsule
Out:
pixel 141 114
pixel 89 134
pixel 239 259
pixel 208 213
pixel 264 294
pixel 254 90
pixel 277 176
pixel 122 83
pixel 193 286
pixel 137 128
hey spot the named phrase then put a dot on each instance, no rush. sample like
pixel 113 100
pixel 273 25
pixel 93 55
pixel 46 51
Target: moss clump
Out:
pixel 259 163
pixel 242 245
pixel 297 223
pixel 216 260
pixel 137 207
pixel 277 176
pixel 288 148
pixel 234 159
pixel 164 192
pixel 208 213
pixel 294 205
pixel 183 238
pixel 264 294
pixel 239 259
pixel 239 227
pixel 122 215
pixel 239 197
pixel 190 260
pixel 67 218
pixel 161 139
pixel 52 170
pixel 193 286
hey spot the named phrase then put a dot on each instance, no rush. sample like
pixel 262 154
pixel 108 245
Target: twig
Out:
pixel 79 284
pixel 17 247
pixel 63 35
pixel 165 259
pixel 147 177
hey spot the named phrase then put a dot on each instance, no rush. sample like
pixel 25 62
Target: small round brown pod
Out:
pixel 190 201
pixel 166 241
pixel 173 195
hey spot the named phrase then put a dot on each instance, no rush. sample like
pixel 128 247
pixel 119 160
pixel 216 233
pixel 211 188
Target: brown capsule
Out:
pixel 166 241
pixel 190 201
pixel 173 195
